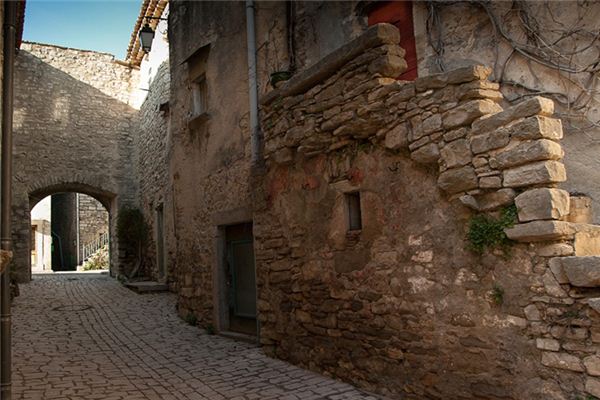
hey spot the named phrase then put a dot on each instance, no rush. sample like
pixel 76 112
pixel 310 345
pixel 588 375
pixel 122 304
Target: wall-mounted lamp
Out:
pixel 146 34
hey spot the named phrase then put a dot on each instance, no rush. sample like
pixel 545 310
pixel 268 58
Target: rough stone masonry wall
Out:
pixel 402 307
pixel 73 132
pixel 93 220
pixel 152 146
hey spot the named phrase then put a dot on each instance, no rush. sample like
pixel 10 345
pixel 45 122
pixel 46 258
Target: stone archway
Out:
pixel 74 127
pixel 47 187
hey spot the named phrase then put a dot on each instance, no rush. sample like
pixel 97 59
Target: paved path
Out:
pixel 86 337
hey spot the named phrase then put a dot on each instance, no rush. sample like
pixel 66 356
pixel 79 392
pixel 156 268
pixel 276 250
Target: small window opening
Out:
pixel 354 215
pixel 200 96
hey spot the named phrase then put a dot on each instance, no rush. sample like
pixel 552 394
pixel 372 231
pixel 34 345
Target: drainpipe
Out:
pixel 256 134
pixel 9 51
pixel 77 226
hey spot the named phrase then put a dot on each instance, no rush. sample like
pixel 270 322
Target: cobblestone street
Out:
pixel 84 336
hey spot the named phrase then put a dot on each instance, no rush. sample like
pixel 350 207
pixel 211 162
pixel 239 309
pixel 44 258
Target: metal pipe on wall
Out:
pixel 9 51
pixel 256 134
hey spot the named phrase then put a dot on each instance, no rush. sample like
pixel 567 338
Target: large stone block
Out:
pixel 587 243
pixel 528 152
pixel 458 180
pixel 468 112
pixel 540 231
pixel 582 271
pixel 542 203
pixel 562 361
pixel 592 386
pixel 592 365
pixel 537 127
pixel 581 209
pixel 456 154
pixel 427 154
pixel 533 106
pixel 541 172
pixel 489 141
pixel 397 138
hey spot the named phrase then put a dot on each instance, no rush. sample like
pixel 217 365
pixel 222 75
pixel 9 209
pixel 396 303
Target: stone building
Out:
pixel 401 145
pixel 343 249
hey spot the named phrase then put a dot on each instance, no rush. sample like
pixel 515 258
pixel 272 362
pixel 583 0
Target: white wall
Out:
pixel 152 61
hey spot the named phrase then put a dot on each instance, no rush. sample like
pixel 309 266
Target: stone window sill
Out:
pixel 196 121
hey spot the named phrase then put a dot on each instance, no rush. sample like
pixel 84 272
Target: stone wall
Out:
pixel 402 306
pixel 153 147
pixel 464 34
pixel 73 133
pixel 93 221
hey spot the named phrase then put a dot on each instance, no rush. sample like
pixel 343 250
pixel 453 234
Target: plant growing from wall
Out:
pixel 487 232
pixel 497 294
pixel 132 231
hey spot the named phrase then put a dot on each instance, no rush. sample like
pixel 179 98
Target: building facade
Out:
pixel 417 217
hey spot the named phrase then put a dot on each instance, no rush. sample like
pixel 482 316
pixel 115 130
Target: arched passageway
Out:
pixel 73 129
pixel 68 243
pixel 69 232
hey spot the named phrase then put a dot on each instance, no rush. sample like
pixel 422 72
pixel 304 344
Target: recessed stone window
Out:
pixel 354 213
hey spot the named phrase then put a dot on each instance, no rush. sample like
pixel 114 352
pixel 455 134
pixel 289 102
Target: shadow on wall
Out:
pixel 69 135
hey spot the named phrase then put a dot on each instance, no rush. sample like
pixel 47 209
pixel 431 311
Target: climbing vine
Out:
pixel 550 37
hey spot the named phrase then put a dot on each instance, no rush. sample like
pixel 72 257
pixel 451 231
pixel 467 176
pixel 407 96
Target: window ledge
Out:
pixel 196 121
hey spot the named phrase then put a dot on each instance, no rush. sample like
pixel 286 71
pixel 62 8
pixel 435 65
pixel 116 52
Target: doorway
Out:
pixel 240 278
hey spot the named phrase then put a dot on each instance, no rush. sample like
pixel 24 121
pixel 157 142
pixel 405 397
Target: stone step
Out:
pixel 147 287
pixel 580 271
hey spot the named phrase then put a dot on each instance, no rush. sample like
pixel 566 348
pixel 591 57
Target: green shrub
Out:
pixel 131 226
pixel 486 231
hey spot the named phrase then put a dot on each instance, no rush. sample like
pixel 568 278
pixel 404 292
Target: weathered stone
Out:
pixel 581 210
pixel 594 304
pixel 592 386
pixel 582 271
pixel 435 81
pixel 542 203
pixel 562 361
pixel 532 313
pixel 587 243
pixel 494 200
pixel 554 250
pixel 432 124
pixel 455 154
pixel 490 182
pixel 427 154
pixel 466 113
pixel 337 120
pixel 468 74
pixel 592 365
pixel 458 180
pixel 547 344
pixel 397 138
pixel 541 172
pixel 283 156
pixel 537 127
pixel 528 152
pixel 455 134
pixel 551 285
pixel 540 231
pixel 493 95
pixel 532 106
pixel 556 267
pixel 489 141
pixel 388 65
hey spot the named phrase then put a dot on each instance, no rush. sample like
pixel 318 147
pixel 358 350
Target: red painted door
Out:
pixel 399 13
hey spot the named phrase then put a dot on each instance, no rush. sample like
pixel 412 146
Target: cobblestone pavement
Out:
pixel 84 336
